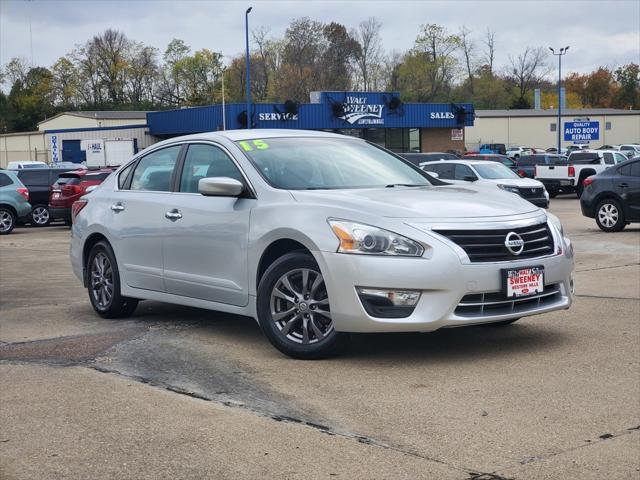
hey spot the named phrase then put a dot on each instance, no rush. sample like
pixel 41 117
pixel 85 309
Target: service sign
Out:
pixel 581 132
pixel 522 282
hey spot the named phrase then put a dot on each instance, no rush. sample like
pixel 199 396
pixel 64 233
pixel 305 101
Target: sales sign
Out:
pixel 581 132
pixel 55 149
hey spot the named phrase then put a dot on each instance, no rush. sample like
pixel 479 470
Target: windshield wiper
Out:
pixel 392 185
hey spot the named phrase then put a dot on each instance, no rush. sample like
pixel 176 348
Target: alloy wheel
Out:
pixel 6 221
pixel 608 215
pixel 299 306
pixel 40 215
pixel 102 280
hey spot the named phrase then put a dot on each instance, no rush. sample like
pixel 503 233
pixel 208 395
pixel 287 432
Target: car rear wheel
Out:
pixel 7 221
pixel 40 216
pixel 103 283
pixel 294 311
pixel 610 216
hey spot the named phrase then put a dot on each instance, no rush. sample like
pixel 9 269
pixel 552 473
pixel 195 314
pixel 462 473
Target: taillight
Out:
pixel 71 190
pixel 76 208
pixel 24 192
pixel 521 173
pixel 587 181
pixel 572 171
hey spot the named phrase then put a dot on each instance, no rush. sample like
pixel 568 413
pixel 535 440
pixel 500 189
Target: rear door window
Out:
pixel 154 172
pixel 5 180
pixel 608 158
pixel 34 177
pixel 462 171
pixel 447 171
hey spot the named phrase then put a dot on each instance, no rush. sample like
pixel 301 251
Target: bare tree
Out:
pixel 489 56
pixel 468 46
pixel 527 70
pixel 370 58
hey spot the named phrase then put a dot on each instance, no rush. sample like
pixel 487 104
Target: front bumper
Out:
pixel 443 281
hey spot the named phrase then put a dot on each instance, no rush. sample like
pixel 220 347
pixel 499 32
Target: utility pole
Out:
pixel 563 51
pixel 248 79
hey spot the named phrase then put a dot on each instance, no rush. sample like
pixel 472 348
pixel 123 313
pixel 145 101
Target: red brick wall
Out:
pixel 439 140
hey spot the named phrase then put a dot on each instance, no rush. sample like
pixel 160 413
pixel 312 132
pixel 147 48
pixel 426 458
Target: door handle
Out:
pixel 118 207
pixel 623 185
pixel 173 215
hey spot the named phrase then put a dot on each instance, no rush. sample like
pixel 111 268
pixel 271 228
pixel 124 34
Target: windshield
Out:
pixel 494 171
pixel 306 163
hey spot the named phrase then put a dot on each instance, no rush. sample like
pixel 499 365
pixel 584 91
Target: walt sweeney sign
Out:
pixel 358 111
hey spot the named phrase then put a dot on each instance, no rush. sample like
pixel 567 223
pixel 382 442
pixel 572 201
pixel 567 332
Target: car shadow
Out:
pixel 446 345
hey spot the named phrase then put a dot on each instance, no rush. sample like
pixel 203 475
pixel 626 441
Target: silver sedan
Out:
pixel 315 235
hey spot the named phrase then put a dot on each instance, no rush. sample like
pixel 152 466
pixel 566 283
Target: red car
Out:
pixel 70 187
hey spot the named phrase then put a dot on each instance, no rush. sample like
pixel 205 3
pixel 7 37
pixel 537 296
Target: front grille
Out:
pixel 531 192
pixel 496 303
pixel 489 245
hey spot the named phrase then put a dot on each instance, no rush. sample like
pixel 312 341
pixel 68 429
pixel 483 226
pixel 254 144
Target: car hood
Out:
pixel 422 202
pixel 517 182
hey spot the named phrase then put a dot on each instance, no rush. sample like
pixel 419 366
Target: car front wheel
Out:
pixel 103 283
pixel 294 310
pixel 610 216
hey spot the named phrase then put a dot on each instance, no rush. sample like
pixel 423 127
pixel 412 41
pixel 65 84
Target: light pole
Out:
pixel 563 51
pixel 248 79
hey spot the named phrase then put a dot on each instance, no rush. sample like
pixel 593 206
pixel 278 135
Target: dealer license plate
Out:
pixel 523 282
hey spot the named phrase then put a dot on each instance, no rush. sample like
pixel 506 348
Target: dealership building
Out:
pixel 380 117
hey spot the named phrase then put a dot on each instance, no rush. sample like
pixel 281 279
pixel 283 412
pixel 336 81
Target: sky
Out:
pixel 599 33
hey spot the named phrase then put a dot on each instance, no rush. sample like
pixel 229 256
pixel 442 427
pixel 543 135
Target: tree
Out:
pixel 198 75
pixel 141 74
pixel 527 70
pixel 490 53
pixel 110 50
pixel 340 51
pixel 628 95
pixel 468 47
pixel 176 51
pixel 427 70
pixel 599 88
pixel 65 83
pixel 370 57
pixel 30 100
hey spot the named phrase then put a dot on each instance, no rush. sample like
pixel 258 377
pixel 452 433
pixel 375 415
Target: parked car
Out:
pixel 612 197
pixel 514 153
pixel 69 187
pixel 573 148
pixel 419 158
pixel 630 150
pixel 315 235
pixel 503 159
pixel 563 151
pixel 497 148
pixel 527 164
pixel 580 165
pixel 39 182
pixel 14 201
pixel 27 164
pixel 492 174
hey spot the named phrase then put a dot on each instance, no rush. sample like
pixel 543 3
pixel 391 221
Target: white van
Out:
pixel 21 165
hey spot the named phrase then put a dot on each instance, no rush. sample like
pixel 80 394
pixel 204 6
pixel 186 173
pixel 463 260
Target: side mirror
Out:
pixel 470 178
pixel 433 174
pixel 220 187
pixel 90 188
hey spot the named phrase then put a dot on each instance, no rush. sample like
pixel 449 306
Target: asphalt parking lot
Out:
pixel 176 392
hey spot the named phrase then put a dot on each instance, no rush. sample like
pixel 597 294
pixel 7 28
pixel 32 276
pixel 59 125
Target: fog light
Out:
pixel 383 303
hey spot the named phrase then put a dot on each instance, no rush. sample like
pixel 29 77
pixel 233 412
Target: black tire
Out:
pixel 610 215
pixel 7 221
pixel 292 342
pixel 116 305
pixel 516 157
pixel 40 216
pixel 503 323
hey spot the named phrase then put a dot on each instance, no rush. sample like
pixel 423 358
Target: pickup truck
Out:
pixel 526 165
pixel 580 165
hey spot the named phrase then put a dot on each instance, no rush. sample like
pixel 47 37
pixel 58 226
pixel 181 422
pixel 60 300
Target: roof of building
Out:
pixel 104 115
pixel 553 112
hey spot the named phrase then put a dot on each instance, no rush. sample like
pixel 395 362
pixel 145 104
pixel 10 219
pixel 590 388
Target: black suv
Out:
pixel 39 181
pixel 613 196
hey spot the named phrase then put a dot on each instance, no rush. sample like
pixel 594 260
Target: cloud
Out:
pixel 599 32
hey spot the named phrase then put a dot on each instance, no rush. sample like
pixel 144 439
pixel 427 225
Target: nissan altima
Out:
pixel 315 235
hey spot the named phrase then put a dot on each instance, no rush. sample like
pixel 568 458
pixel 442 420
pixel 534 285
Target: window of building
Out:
pixel 607 125
pixel 553 127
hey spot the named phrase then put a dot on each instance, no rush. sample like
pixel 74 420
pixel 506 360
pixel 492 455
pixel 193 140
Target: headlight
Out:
pixel 556 222
pixel 509 188
pixel 368 240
